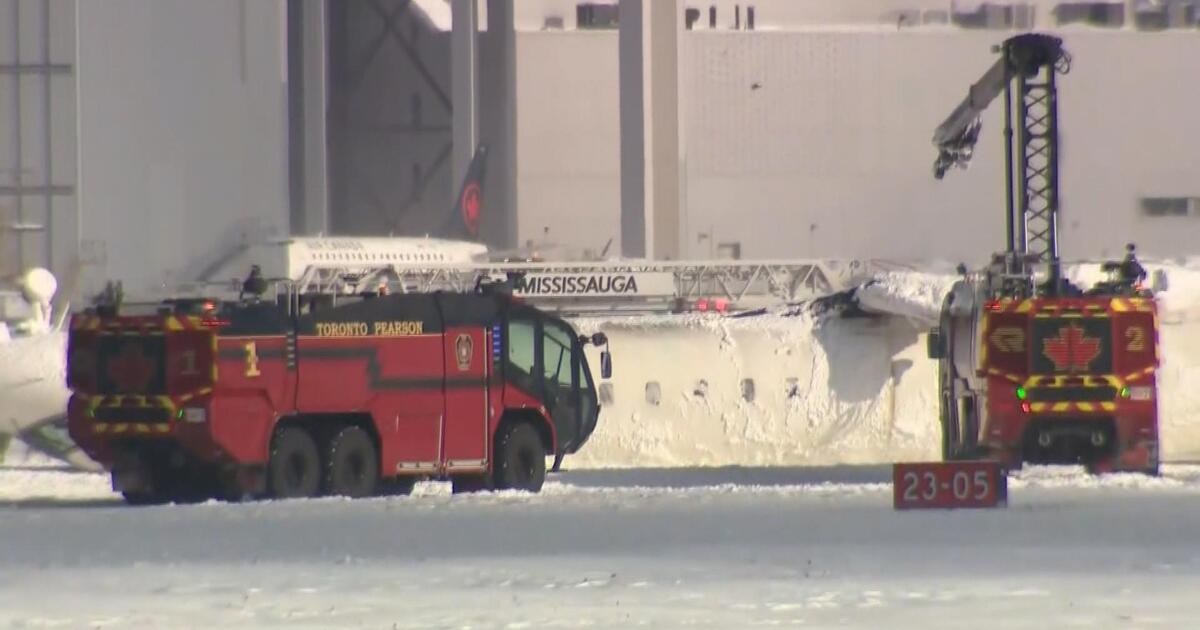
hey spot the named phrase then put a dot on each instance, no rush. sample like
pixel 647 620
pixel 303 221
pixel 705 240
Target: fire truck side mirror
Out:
pixel 934 343
pixel 605 364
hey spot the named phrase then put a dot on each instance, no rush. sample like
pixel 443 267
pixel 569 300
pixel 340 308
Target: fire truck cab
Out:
pixel 308 395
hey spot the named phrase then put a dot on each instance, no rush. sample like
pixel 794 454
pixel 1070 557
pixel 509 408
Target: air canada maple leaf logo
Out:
pixel 470 208
pixel 130 371
pixel 1072 350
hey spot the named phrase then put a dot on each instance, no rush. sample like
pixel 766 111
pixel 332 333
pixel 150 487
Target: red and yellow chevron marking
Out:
pixel 131 400
pixel 139 325
pixel 133 428
pixel 1004 375
pixel 1125 305
pixel 1072 407
pixel 1059 381
pixel 171 404
pixel 1141 373
pixel 187 322
pixel 1072 307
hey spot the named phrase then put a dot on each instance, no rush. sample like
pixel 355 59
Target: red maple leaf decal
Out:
pixel 130 370
pixel 1071 350
pixel 470 208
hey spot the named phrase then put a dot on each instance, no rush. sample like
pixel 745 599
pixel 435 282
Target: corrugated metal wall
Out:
pixel 183 136
pixel 37 134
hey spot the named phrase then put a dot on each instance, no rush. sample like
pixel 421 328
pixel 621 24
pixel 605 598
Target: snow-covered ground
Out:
pixel 718 548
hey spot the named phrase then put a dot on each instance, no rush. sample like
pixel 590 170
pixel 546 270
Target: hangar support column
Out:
pixel 308 89
pixel 464 62
pixel 498 123
pixel 649 97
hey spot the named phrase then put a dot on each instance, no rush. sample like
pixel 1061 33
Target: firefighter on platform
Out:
pixel 1131 271
pixel 254 285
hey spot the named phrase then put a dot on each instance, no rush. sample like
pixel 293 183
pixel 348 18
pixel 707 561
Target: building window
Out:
pixel 595 15
pixel 748 389
pixel 995 16
pixel 1157 207
pixel 1110 14
pixel 653 393
pixel 1155 16
pixel 606 394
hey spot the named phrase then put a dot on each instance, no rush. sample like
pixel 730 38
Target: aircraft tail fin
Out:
pixel 463 221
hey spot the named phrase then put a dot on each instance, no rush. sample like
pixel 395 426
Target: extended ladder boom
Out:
pixel 1025 74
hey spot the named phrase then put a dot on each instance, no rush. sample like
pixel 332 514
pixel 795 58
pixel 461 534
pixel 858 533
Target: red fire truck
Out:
pixel 1031 367
pixel 323 394
pixel 1050 380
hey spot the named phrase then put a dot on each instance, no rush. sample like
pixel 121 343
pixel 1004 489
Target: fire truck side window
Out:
pixel 556 355
pixel 522 334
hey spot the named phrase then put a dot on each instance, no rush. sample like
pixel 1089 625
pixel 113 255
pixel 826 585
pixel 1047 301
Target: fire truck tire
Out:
pixel 294 470
pixel 520 459
pixel 352 464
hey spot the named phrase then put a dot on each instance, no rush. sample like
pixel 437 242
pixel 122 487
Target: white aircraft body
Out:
pixel 292 258
pixel 33 389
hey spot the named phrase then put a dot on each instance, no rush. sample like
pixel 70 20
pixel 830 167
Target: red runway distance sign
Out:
pixel 968 484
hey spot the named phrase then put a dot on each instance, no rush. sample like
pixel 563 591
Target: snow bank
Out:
pixel 762 391
pixel 914 295
pixel 827 390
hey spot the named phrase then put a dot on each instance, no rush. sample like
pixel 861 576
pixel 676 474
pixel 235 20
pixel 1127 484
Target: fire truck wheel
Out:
pixel 295 467
pixel 352 465
pixel 520 459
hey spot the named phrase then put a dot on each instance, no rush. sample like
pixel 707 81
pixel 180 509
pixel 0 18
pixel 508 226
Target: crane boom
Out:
pixel 955 138
pixel 1025 75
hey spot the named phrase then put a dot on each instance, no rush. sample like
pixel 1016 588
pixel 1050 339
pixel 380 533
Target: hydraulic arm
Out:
pixel 1025 75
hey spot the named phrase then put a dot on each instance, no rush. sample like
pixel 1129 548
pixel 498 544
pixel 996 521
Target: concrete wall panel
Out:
pixel 818 143
pixel 183 146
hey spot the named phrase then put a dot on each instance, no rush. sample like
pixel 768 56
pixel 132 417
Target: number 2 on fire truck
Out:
pixel 1137 338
